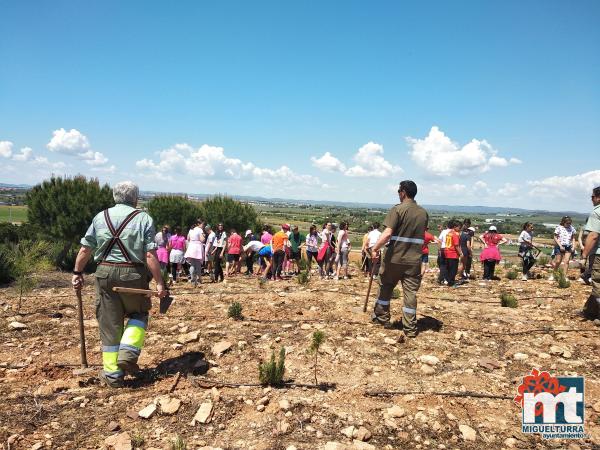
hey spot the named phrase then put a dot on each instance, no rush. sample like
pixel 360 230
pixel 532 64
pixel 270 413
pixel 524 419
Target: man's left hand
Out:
pixel 77 282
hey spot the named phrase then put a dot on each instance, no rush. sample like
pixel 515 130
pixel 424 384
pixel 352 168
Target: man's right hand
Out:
pixel 161 291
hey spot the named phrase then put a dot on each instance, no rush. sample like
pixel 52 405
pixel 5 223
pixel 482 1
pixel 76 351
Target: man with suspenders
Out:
pixel 405 229
pixel 121 240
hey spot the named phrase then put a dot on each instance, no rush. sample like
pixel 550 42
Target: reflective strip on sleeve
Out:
pixel 409 310
pixel 134 336
pixel 407 239
pixel 109 362
pixel 383 302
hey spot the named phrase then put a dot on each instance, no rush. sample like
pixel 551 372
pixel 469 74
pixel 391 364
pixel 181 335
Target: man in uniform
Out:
pixel 405 227
pixel 121 240
pixel 592 251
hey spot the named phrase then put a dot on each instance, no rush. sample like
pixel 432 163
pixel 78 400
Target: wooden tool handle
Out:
pixel 135 291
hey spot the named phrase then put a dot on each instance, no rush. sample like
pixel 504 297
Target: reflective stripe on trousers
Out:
pixel 134 334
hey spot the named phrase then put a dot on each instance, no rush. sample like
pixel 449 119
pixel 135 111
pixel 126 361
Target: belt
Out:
pixel 120 264
pixel 407 239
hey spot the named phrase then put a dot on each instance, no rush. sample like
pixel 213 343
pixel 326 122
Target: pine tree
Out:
pixel 173 210
pixel 63 208
pixel 231 213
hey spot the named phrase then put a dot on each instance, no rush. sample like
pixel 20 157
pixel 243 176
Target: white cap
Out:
pixel 471 229
pixel 248 232
pixel 493 228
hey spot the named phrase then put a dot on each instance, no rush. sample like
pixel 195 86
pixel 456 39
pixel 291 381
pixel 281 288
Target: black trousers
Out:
pixel 278 258
pixel 528 263
pixel 250 262
pixel 489 266
pixel 451 270
pixel 218 270
pixel 441 261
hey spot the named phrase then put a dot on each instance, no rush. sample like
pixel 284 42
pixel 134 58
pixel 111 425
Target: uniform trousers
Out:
pixel 410 278
pixel 121 344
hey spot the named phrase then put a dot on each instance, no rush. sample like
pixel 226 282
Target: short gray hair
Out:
pixel 126 192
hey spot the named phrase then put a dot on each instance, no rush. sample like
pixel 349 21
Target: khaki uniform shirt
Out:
pixel 408 222
pixel 137 237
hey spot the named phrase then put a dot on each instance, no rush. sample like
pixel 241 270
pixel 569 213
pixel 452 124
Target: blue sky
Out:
pixel 493 103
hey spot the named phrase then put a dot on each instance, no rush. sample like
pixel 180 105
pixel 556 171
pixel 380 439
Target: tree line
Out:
pixel 60 210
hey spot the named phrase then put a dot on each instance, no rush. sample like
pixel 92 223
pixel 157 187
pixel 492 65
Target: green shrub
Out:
pixel 302 264
pixel 178 443
pixel 318 338
pixel 6 265
pixel 508 300
pixel 512 274
pixel 27 259
pixel 303 277
pixel 396 293
pixel 271 373
pixel 543 260
pixel 235 311
pixel 137 440
pixel 561 279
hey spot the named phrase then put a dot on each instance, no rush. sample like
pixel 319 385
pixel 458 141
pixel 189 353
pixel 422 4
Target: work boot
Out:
pixel 128 367
pixel 411 334
pixel 118 383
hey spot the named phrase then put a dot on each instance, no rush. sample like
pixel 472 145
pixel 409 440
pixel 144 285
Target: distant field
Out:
pixel 13 213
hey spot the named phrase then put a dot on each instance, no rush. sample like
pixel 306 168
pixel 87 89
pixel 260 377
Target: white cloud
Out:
pixel 328 163
pixel 44 163
pixel 438 155
pixel 107 169
pixel 210 163
pixel 71 142
pixel 6 149
pixel 94 158
pixel 508 190
pixel 480 185
pixel 572 187
pixel 25 154
pixel 75 143
pixel 369 163
pixel 445 191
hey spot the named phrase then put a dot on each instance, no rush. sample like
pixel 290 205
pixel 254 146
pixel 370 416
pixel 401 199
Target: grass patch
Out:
pixel 17 214
pixel 508 300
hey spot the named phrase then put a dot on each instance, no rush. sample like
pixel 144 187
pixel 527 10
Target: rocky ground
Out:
pixel 195 358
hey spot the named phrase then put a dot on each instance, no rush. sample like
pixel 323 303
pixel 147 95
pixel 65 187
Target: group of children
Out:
pixel 203 251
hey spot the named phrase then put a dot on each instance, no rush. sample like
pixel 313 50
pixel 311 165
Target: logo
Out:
pixel 552 406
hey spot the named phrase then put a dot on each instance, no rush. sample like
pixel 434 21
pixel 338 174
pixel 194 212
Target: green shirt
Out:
pixel 137 237
pixel 593 224
pixel 408 222
pixel 296 243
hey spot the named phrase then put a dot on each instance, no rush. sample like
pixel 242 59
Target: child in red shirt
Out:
pixel 452 252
